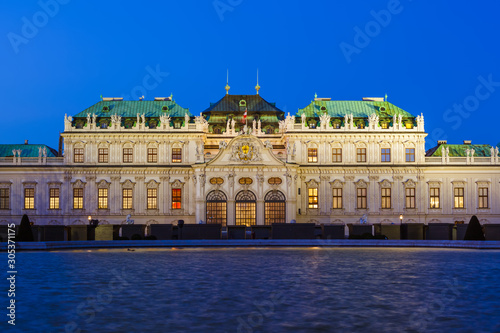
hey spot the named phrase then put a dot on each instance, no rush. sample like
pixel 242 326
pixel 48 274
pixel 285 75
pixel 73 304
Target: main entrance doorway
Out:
pixel 246 208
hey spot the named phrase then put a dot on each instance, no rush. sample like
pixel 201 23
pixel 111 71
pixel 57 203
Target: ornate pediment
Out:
pixel 103 184
pixel 385 184
pixel 79 184
pixel 152 184
pixel 128 184
pixel 337 183
pixel 312 183
pixel 434 183
pixel 361 183
pixel 409 183
pixel 176 183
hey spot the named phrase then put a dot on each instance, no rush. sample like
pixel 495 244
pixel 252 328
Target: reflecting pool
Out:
pixel 258 290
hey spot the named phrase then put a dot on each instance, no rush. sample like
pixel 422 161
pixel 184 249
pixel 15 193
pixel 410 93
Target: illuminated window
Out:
pixel 216 181
pixel 152 155
pixel 434 197
pixel 176 155
pixel 483 197
pixel 152 198
pixel 176 198
pixel 78 198
pixel 4 198
pixel 274 181
pixel 313 198
pixel 245 203
pixel 410 154
pixel 128 155
pixel 337 198
pixel 103 155
pixel 29 198
pixel 336 155
pixel 127 198
pixel 53 198
pixel 384 125
pixel 361 198
pixel 216 208
pixel 458 193
pixel 361 155
pixel 78 155
pixel 245 181
pixel 410 198
pixel 102 198
pixel 274 208
pixel 386 198
pixel 312 155
pixel 409 125
pixel 386 155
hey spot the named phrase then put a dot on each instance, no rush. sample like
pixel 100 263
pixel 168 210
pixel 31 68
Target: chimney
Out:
pixel 442 142
pixel 25 142
pixel 467 142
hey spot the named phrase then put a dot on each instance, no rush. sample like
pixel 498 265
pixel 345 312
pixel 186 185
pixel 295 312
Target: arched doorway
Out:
pixel 245 208
pixel 216 211
pixel 274 208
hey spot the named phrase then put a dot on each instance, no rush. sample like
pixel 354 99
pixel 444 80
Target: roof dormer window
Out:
pixel 164 108
pixel 105 108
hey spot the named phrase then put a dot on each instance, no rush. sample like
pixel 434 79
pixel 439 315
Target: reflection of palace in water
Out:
pixel 245 162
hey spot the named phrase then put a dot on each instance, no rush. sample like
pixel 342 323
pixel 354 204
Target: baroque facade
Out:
pixel 244 162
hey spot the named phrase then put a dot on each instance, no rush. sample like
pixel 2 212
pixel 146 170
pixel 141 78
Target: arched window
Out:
pixel 216 208
pixel 245 208
pixel 275 208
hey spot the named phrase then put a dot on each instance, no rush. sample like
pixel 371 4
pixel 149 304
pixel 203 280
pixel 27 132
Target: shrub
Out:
pixel 474 230
pixel 25 233
pixel 136 237
pixel 151 237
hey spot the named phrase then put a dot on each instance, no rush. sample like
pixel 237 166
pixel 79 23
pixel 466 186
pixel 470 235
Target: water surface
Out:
pixel 258 290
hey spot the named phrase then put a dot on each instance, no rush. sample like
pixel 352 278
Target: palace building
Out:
pixel 244 162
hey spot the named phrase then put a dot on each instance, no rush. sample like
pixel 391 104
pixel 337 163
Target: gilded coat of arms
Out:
pixel 245 152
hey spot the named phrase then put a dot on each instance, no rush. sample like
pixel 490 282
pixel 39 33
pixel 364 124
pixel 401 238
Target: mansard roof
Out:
pixel 359 109
pixel 254 103
pixel 460 150
pixel 27 150
pixel 132 108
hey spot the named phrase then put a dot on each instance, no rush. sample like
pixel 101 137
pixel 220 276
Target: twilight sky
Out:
pixel 439 58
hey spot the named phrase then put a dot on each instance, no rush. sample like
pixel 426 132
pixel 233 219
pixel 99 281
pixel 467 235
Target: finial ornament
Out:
pixel 227 83
pixel 257 87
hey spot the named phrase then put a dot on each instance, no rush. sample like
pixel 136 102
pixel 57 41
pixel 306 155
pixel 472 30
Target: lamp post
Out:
pixel 401 219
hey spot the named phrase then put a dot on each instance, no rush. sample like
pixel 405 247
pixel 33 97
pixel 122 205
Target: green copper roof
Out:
pixel 130 109
pixel 460 150
pixel 26 150
pixel 359 109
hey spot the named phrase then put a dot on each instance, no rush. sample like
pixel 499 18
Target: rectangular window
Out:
pixel 386 198
pixel 53 198
pixel 176 198
pixel 78 155
pixel 361 155
pixel 434 197
pixel 336 155
pixel 127 198
pixel 128 155
pixel 312 155
pixel 361 196
pixel 386 155
pixel 152 198
pixel 29 198
pixel 102 198
pixel 152 155
pixel 176 155
pixel 313 198
pixel 458 193
pixel 103 156
pixel 4 198
pixel 384 125
pixel 410 154
pixel 337 198
pixel 78 198
pixel 410 198
pixel 483 197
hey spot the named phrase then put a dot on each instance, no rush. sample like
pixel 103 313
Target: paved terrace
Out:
pixel 249 243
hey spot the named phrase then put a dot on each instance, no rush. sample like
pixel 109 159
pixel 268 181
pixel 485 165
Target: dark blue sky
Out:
pixel 439 58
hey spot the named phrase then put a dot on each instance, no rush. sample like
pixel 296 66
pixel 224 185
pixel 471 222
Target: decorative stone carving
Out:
pixel 385 184
pixel 324 121
pixel 337 183
pixel 361 184
pixel 222 144
pixel 176 183
pixel 128 184
pixel 245 151
pixel 152 184
pixel 409 183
